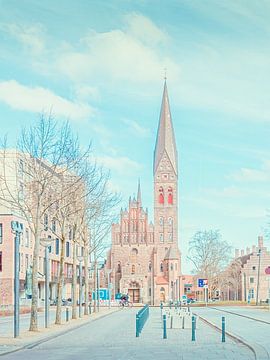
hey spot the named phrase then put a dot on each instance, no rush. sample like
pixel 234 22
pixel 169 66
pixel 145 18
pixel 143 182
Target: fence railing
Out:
pixel 141 318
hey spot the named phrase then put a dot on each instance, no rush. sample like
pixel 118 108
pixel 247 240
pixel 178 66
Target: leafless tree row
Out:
pixel 61 192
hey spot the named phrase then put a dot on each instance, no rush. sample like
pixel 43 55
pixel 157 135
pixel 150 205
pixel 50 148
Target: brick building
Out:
pixel 26 247
pixel 144 257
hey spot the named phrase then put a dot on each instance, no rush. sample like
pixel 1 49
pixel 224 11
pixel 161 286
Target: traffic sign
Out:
pixel 203 283
pixel 267 270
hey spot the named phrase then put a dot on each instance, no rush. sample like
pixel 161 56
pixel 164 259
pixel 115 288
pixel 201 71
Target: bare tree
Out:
pixel 43 153
pixel 209 255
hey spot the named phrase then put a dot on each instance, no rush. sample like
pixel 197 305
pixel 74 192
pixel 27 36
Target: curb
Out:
pixel 259 352
pixel 33 344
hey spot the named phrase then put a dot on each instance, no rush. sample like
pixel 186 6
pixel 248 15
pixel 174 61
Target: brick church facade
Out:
pixel 144 257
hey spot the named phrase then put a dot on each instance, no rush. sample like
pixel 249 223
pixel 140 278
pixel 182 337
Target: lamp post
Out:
pixel 80 259
pixel 258 276
pixel 108 271
pixel 46 242
pixel 17 229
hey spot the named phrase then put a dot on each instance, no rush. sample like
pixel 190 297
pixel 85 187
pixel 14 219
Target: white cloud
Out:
pixel 121 164
pixel 119 55
pixel 253 175
pixel 38 99
pixel 142 28
pixel 136 128
pixel 32 37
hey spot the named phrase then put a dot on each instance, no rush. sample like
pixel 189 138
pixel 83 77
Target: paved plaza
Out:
pixel 113 337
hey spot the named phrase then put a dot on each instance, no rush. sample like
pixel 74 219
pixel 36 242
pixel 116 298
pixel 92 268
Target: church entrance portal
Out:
pixel 134 292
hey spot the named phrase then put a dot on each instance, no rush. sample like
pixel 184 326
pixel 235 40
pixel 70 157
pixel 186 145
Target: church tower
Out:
pixel 165 171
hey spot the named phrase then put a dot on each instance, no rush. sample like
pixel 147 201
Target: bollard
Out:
pixel 137 326
pixel 161 309
pixel 188 308
pixel 67 314
pixel 164 327
pixel 193 338
pixel 89 308
pixel 171 321
pixel 223 329
pixel 183 322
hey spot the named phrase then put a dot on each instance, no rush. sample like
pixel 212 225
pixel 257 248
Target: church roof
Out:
pixel 172 253
pixel 165 141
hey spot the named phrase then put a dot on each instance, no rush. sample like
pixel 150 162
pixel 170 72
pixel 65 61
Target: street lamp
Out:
pixel 108 271
pixel 258 276
pixel 80 259
pixel 17 229
pixel 46 242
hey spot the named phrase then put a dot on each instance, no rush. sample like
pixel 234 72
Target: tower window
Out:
pixel 170 237
pixel 170 221
pixel 161 221
pixel 161 239
pixel 161 267
pixel 161 195
pixel 133 269
pixel 170 196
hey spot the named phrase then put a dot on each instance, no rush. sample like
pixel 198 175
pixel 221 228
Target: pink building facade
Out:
pixel 144 258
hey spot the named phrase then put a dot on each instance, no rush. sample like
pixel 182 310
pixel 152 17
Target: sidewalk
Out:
pixel 30 339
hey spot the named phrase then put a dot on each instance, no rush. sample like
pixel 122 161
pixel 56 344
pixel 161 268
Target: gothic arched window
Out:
pixel 161 195
pixel 133 269
pixel 170 196
pixel 161 221
pixel 150 266
pixel 161 267
pixel 118 267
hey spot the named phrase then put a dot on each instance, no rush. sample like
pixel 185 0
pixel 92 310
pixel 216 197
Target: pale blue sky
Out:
pixel 100 64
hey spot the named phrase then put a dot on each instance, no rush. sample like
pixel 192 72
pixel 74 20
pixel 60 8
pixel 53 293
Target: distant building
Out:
pixel 145 258
pixel 247 278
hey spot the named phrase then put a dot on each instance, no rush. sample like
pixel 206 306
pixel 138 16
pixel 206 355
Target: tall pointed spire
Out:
pixel 139 195
pixel 165 141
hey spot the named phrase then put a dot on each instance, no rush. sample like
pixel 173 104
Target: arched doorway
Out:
pixel 134 292
pixel 162 294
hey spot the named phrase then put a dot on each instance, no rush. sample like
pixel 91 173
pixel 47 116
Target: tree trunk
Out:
pixel 95 285
pixel 34 303
pixel 60 284
pixel 86 281
pixel 74 283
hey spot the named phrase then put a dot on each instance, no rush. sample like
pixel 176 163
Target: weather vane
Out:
pixel 165 74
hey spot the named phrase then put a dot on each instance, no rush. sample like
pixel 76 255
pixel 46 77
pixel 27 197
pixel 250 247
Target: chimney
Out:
pixel 242 252
pixel 260 241
pixel 247 250
pixel 236 253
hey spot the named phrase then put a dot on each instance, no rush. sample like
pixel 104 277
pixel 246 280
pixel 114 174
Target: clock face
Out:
pixel 165 176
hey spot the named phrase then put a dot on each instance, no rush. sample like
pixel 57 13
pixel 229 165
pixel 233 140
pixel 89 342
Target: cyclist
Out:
pixel 124 299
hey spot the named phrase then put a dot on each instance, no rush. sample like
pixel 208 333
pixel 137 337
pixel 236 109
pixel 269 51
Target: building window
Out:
pixel 26 261
pixel 253 267
pixel 171 266
pixel 1 233
pixel 56 246
pixel 170 196
pixel 54 225
pixel 251 280
pixel 27 242
pixel 1 262
pixel 161 239
pixel 150 267
pixel 133 257
pixel 251 293
pixel 161 221
pixel 161 267
pixel 170 221
pixel 170 237
pixel 133 269
pixel 161 195
pixel 118 267
pixel 149 292
pixel 45 222
pixel 67 249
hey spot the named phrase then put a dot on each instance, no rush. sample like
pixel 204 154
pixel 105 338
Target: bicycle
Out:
pixel 125 303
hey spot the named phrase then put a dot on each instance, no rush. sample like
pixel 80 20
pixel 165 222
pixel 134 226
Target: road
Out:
pixel 252 331
pixel 113 337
